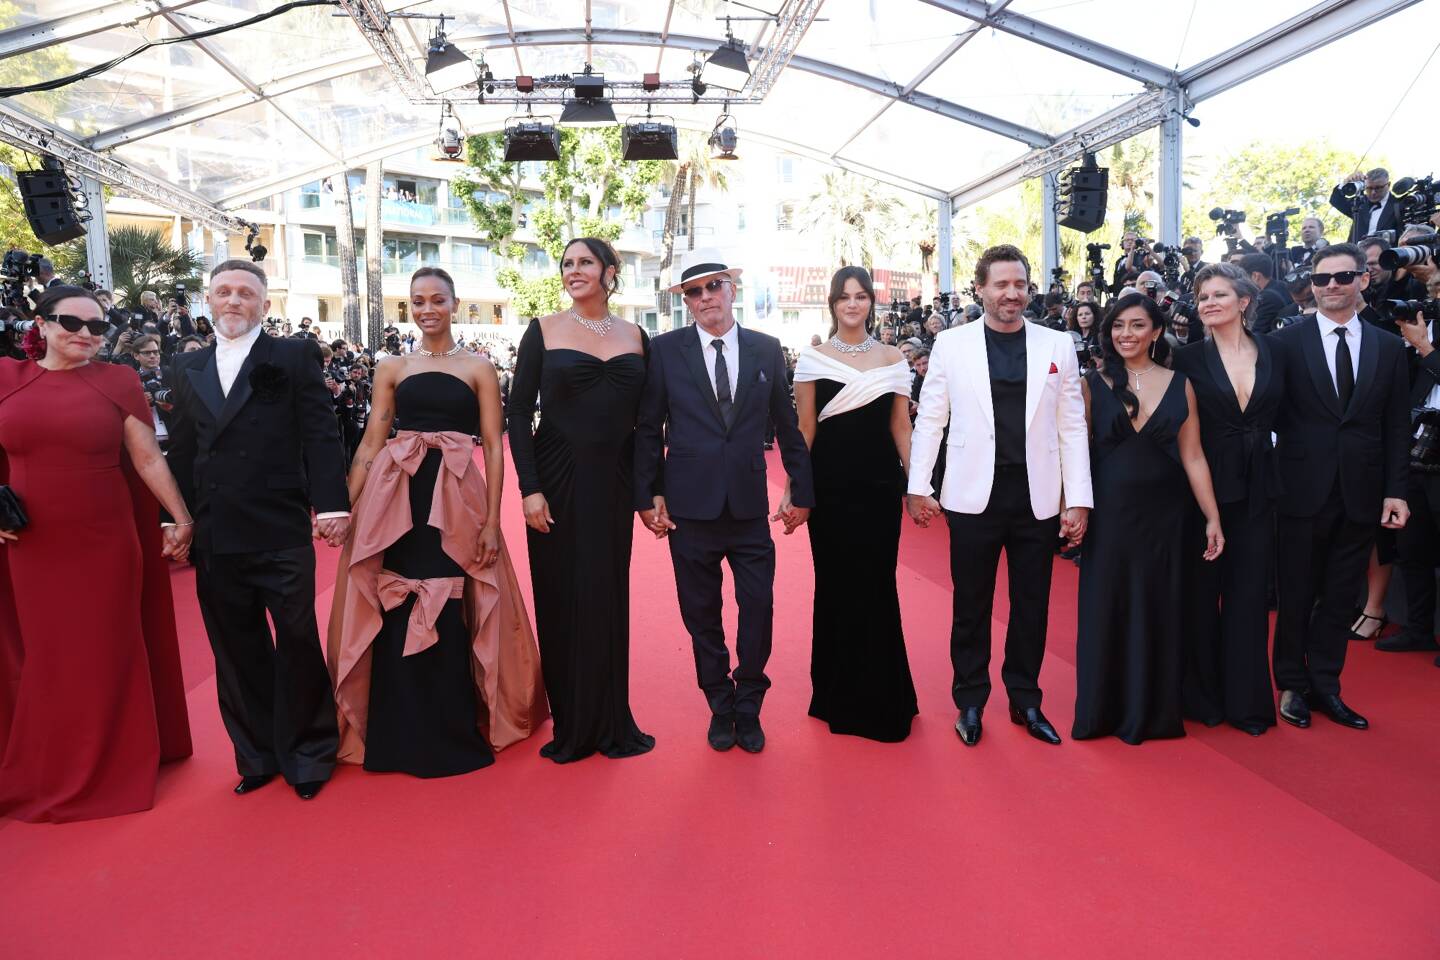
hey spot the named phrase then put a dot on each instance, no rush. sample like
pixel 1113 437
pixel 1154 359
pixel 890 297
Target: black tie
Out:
pixel 1344 370
pixel 722 379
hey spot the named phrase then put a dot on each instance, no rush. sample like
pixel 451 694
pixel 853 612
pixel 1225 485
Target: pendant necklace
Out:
pixel 443 353
pixel 864 346
pixel 598 327
pixel 1138 374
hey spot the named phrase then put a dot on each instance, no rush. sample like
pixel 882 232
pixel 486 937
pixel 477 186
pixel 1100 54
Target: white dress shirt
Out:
pixel 230 356
pixel 1329 341
pixel 1433 400
pixel 1375 212
pixel 731 339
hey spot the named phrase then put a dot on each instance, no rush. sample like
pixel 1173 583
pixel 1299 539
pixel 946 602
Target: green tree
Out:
pixel 859 221
pixel 141 260
pixel 694 168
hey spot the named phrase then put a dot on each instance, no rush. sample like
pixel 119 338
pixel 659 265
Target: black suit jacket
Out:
pixel 711 466
pixel 1358 210
pixel 1268 306
pixel 258 460
pixel 1366 446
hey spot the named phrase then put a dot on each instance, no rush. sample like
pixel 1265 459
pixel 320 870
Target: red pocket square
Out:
pixel 1054 369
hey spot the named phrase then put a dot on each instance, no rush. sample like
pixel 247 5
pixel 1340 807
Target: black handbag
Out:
pixel 12 512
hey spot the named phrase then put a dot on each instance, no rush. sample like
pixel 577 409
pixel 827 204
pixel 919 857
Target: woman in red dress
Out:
pixel 91 698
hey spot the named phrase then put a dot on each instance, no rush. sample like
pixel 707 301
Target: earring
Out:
pixel 1152 349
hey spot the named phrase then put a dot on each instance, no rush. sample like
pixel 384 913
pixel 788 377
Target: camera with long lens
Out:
pixel 155 388
pixel 1428 309
pixel 1417 250
pixel 1169 262
pixel 1425 439
pixel 1416 200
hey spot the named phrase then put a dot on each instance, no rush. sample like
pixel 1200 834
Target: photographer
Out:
pixel 1366 200
pixel 45 274
pixel 1418 542
pixel 1191 250
pixel 1273 299
pixel 1312 235
pixel 146 350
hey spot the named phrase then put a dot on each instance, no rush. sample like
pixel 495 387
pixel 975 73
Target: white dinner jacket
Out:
pixel 957 392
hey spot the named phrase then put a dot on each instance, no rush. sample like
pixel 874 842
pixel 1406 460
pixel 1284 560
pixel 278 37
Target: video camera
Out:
pixel 1416 201
pixel 1227 221
pixel 1169 263
pixel 1425 448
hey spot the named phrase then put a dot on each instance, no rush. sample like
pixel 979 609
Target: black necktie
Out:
pixel 1344 370
pixel 722 379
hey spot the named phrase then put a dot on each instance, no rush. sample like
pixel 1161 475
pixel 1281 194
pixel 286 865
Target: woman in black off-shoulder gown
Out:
pixel 579 457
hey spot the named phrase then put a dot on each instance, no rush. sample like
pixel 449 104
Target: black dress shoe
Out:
pixel 251 784
pixel 1333 707
pixel 308 789
pixel 1293 709
pixel 1406 642
pixel 1254 729
pixel 722 731
pixel 968 726
pixel 1035 724
pixel 748 733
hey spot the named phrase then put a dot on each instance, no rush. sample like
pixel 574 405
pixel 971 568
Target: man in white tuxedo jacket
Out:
pixel 1017 451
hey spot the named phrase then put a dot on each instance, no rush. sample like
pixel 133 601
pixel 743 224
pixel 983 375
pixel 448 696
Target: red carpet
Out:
pixel 1304 842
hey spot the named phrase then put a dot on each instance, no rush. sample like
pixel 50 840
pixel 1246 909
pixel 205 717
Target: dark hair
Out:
pixel 1239 281
pixel 1112 364
pixel 837 290
pixel 438 273
pixel 1366 243
pixel 1072 317
pixel 602 251
pixel 144 340
pixel 65 291
pixel 244 266
pixel 1341 250
pixel 180 347
pixel 1003 253
pixel 1258 263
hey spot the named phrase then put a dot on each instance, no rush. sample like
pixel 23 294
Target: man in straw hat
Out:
pixel 709 390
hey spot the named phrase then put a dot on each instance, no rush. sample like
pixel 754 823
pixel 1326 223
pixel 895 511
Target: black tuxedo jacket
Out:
pixel 1358 210
pixel 711 466
pixel 254 463
pixel 1270 304
pixel 1366 445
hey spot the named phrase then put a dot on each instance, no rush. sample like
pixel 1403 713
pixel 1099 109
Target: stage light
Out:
pixel 588 113
pixel 724 138
pixel 650 82
pixel 528 138
pixel 524 84
pixel 589 86
pixel 446 67
pixel 727 67
pixel 646 139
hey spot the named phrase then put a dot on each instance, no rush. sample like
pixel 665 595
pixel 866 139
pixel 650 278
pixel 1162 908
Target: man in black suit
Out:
pixel 1343 451
pixel 1419 542
pixel 262 446
pixel 709 390
pixel 1372 209
pixel 1273 298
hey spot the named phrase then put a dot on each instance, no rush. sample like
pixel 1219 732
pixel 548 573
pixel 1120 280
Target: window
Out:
pixel 310 195
pixel 314 245
pixel 678 317
pixel 740 217
pixel 785 216
pixel 430 254
pixel 319 247
pixel 401 256
pixel 473 257
pixel 787 169
pixel 428 193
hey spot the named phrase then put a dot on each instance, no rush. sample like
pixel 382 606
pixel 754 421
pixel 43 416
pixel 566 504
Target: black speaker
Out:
pixel 48 206
pixel 1084 191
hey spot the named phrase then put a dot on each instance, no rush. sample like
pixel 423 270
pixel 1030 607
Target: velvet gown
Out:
pixel 580 458
pixel 1128 651
pixel 91 696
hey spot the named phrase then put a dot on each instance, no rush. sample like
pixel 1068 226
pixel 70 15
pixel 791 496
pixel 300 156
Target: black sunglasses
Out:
pixel 73 324
pixel 1344 278
pixel 690 293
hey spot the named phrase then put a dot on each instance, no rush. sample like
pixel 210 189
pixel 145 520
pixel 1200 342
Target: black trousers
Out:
pixel 1320 572
pixel 275 695
pixel 975 543
pixel 1419 547
pixel 696 549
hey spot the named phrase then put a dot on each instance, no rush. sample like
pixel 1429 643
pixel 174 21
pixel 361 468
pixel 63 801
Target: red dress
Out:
pixel 91 697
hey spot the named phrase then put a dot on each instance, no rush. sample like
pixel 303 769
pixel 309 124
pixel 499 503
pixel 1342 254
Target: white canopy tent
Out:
pixel 952 99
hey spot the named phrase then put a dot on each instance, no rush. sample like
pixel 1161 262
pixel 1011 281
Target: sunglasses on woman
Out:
pixel 1344 278
pixel 690 293
pixel 96 328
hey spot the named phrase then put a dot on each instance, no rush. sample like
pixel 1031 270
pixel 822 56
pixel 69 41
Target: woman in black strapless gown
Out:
pixel 575 475
pixel 855 415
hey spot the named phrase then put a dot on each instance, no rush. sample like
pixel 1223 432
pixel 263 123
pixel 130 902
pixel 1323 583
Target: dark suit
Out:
pixel 1419 541
pixel 1358 210
pixel 257 460
pixel 1268 306
pixel 713 481
pixel 1336 467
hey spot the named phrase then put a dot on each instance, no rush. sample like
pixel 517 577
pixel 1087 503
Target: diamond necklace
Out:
pixel 864 346
pixel 443 353
pixel 598 327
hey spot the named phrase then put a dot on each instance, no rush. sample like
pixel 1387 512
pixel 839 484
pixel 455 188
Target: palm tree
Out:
pixel 687 175
pixel 141 260
pixel 858 219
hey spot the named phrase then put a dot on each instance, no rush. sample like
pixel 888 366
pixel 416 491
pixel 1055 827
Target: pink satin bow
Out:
pixel 408 449
pixel 431 597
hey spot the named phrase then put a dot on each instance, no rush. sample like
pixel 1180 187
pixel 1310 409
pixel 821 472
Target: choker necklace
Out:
pixel 864 346
pixel 598 327
pixel 1141 373
pixel 443 353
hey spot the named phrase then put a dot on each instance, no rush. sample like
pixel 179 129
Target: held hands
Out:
pixel 1073 522
pixel 487 548
pixel 791 515
pixel 922 509
pixel 537 512
pixel 657 519
pixel 1394 513
pixel 1214 540
pixel 177 542
pixel 333 530
pixel 8 536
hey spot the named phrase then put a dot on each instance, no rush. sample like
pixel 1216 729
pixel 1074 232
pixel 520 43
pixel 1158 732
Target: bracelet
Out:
pixel 187 523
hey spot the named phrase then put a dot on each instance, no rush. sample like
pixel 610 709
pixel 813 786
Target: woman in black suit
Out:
pixel 1238 385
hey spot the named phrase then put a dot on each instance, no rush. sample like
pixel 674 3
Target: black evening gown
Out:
pixel 1128 659
pixel 580 458
pixel 858 667
pixel 422 707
